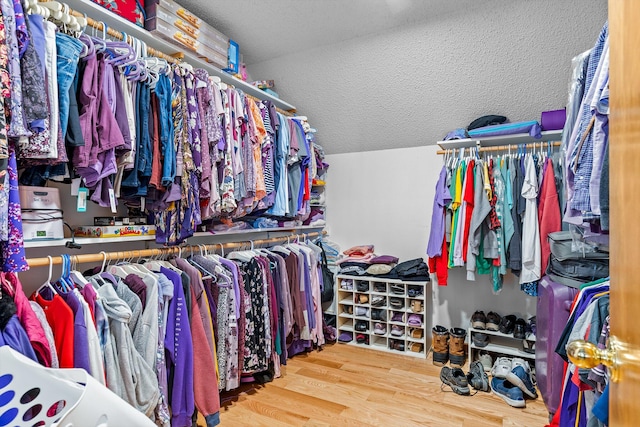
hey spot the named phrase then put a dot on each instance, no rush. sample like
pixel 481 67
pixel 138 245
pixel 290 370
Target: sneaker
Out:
pixel 397 331
pixel 520 378
pixel 362 311
pixel 397 289
pixel 479 339
pixel 456 379
pixel 380 287
pixel 477 377
pixel 519 330
pixel 501 367
pixel 508 392
pixel 361 326
pixel 478 320
pixel 508 324
pixel 377 301
pixel 486 360
pixel 493 321
pixel 379 328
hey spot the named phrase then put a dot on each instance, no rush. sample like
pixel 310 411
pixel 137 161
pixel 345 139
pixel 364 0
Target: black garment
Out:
pixel 604 192
pixel 514 252
pixel 489 120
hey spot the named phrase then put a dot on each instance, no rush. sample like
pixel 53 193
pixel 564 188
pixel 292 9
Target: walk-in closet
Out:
pixel 318 213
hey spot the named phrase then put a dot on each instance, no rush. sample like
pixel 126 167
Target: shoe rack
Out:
pixel 360 297
pixel 499 343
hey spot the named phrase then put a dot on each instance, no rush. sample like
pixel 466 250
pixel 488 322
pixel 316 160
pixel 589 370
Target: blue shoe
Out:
pixel 520 378
pixel 508 392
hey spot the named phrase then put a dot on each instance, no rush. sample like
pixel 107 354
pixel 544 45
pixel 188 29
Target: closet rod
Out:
pixel 142 253
pixel 118 35
pixel 532 145
pixel 98 25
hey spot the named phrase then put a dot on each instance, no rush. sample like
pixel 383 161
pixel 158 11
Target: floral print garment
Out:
pixel 5 91
pixel 17 126
pixel 13 256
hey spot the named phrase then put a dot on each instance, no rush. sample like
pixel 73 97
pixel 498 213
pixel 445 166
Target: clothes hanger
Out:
pixel 76 277
pixel 48 284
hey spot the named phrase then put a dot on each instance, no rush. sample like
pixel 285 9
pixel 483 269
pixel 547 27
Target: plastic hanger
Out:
pixel 48 284
pixel 77 278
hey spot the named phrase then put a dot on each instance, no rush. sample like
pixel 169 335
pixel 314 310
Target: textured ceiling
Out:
pixel 269 29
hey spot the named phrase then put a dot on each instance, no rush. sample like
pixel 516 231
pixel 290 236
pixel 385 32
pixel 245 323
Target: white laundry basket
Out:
pixel 32 395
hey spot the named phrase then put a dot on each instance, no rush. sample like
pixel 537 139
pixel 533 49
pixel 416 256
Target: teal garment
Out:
pixel 483 265
pixel 500 190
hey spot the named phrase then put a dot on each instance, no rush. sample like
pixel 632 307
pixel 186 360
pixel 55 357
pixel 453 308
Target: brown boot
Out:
pixel 457 353
pixel 440 339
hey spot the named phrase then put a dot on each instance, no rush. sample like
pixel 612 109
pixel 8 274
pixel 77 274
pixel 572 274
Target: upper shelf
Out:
pixel 493 141
pixel 114 21
pixel 200 234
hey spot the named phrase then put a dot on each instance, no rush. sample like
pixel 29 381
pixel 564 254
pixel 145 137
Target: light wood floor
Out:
pixel 346 385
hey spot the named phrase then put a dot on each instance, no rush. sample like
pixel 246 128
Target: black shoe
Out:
pixel 362 326
pixel 478 320
pixel 493 321
pixel 456 379
pixel 519 330
pixel 479 339
pixel 508 324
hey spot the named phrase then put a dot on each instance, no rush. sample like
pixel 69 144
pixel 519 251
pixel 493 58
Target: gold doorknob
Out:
pixel 586 355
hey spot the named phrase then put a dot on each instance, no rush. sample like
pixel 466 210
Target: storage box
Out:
pixel 132 11
pixel 233 57
pixel 41 213
pixel 115 231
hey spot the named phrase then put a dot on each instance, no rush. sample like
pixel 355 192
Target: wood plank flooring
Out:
pixel 346 385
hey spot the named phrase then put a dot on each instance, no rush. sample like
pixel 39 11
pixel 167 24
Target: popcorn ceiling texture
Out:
pixel 410 85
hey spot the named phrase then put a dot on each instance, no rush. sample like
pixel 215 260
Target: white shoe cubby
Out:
pixel 499 343
pixel 360 297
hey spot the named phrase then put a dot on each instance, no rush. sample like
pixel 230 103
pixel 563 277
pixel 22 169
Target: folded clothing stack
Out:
pixel 361 261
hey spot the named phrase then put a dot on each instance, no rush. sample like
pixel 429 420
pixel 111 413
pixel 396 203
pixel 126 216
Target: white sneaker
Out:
pixel 486 360
pixel 516 361
pixel 501 368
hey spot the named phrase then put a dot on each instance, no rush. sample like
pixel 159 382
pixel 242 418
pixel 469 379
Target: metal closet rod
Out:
pixel 144 253
pixel 98 25
pixel 502 147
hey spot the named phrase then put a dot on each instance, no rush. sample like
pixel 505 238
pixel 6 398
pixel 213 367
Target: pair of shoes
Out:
pixel 361 326
pixel 508 324
pixel 520 329
pixel 362 311
pixel 346 285
pixel 397 317
pixel 448 346
pixel 415 333
pixel 456 379
pixel 414 291
pixel 397 330
pixel 362 298
pixel 362 286
pixel 347 309
pixel 479 339
pixel 377 301
pixel 512 380
pixel 486 360
pixel 416 347
pixel 490 322
pixel 380 287
pixel 416 306
pixel 397 289
pixel 396 345
pixel 379 315
pixel 379 328
pixel 396 302
pixel 362 339
pixel 345 337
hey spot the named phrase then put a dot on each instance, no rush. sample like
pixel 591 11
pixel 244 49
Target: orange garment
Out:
pixel 156 165
pixel 60 318
pixel 258 134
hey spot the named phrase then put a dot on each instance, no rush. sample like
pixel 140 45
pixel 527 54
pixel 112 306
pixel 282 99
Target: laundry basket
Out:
pixel 32 395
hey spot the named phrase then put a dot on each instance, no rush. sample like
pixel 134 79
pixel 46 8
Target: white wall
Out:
pixel 410 85
pixel 385 198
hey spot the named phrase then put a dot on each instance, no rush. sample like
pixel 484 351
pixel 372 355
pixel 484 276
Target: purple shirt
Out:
pixel 179 354
pixel 80 337
pixel 440 201
pixel 15 337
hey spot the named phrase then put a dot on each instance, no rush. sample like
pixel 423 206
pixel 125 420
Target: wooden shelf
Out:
pixel 114 21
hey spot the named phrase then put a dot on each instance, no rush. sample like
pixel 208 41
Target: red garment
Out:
pixel 128 9
pixel 27 317
pixel 60 318
pixel 548 212
pixel 440 265
pixel 468 198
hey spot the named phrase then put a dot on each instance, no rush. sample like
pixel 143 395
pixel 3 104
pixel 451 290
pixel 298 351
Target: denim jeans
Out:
pixel 163 92
pixel 68 54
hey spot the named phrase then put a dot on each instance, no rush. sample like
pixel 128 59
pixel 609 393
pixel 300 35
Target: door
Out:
pixel 624 38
